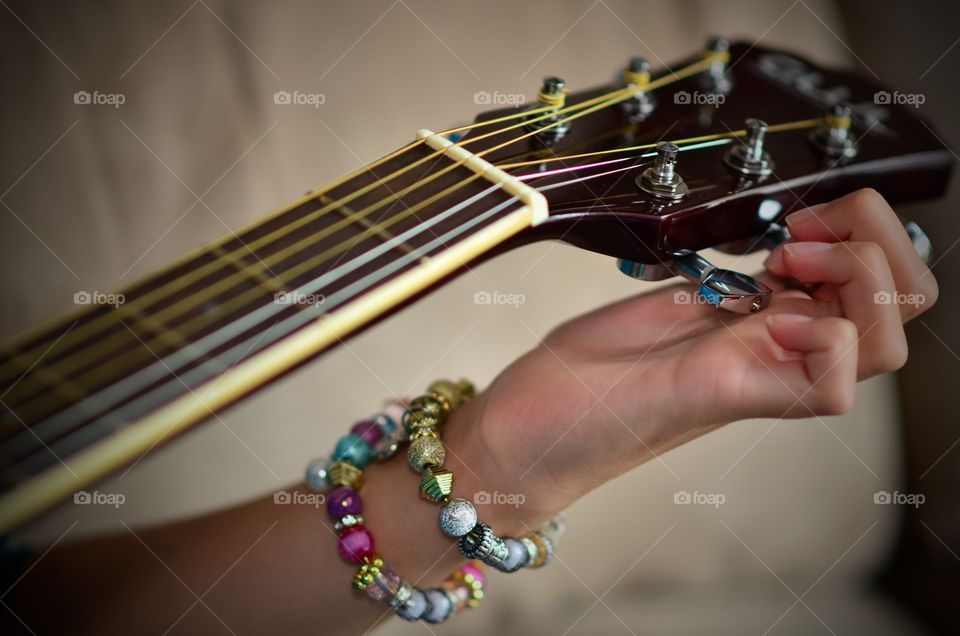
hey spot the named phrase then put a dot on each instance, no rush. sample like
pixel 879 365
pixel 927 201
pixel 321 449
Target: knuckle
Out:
pixel 835 399
pixel 867 201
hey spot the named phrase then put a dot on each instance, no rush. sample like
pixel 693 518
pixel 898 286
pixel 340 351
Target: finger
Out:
pixel 865 216
pixel 858 279
pixel 779 365
pixel 829 355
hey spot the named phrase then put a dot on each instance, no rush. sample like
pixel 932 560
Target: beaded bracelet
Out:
pixel 378 438
pixel 422 422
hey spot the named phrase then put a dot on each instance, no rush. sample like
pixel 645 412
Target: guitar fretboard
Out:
pixel 84 380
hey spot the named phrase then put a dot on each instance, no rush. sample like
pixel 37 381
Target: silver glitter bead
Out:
pixel 457 517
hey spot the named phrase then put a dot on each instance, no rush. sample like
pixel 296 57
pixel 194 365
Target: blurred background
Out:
pixel 94 196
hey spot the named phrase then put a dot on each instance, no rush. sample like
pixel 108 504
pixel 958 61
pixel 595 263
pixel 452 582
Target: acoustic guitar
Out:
pixel 711 153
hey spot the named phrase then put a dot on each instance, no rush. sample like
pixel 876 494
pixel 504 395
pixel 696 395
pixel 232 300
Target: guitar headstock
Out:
pixel 754 134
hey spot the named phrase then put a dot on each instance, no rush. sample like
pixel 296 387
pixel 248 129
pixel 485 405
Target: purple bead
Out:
pixel 344 501
pixel 368 430
pixel 356 542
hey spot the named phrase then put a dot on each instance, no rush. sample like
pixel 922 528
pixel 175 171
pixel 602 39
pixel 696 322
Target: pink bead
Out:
pixel 385 584
pixel 356 542
pixel 368 430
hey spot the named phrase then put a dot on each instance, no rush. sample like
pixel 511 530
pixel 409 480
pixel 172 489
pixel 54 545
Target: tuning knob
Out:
pixel 661 180
pixel 722 288
pixel 832 137
pixel 717 49
pixel 750 158
pixel 552 94
pixel 637 77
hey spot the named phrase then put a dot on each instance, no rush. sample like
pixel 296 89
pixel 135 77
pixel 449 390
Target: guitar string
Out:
pixel 585 107
pixel 61 422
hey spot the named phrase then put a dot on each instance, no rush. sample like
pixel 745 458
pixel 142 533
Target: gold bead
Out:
pixel 424 451
pixel 447 392
pixel 467 390
pixel 542 551
pixel 437 484
pixel 344 473
pixel 414 421
pixel 424 432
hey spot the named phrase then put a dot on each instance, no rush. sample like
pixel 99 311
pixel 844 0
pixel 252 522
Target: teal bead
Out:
pixel 316 475
pixel 354 449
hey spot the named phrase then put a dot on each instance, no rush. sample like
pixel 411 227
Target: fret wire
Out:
pixel 362 221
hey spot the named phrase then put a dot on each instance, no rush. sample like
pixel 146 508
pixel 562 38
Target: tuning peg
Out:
pixel 832 137
pixel 662 180
pixel 553 94
pixel 749 158
pixel 637 77
pixel 718 49
pixel 722 288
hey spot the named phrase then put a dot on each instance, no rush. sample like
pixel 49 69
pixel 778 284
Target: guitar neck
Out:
pixel 93 392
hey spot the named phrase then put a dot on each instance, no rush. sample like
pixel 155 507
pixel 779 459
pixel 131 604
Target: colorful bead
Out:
pixel 368 430
pixel 345 474
pixel 516 555
pixel 457 517
pixel 437 484
pixel 356 543
pixel 344 501
pixel 414 607
pixel 317 474
pixel 367 570
pixel 385 584
pixel 352 448
pixel 439 606
pixel 424 451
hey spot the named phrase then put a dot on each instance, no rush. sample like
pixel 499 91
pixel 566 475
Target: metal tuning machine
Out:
pixel 722 288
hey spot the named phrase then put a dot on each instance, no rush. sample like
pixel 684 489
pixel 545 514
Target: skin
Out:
pixel 598 397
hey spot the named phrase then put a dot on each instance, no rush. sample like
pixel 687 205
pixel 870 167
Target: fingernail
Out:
pixel 774 259
pixel 806 247
pixel 806 213
pixel 787 319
